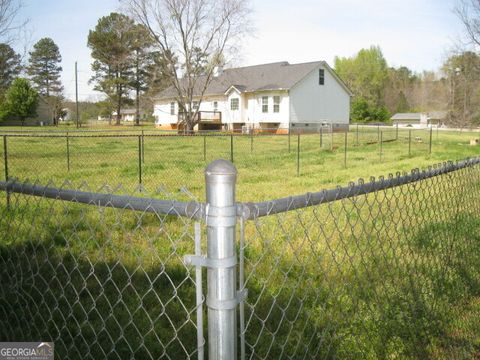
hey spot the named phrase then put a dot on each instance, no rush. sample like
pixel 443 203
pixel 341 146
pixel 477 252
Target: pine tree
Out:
pixel 44 67
pixel 9 66
pixel 44 70
pixel 112 43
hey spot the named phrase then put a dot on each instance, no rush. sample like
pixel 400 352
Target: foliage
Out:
pixel 143 61
pixel 366 74
pixel 380 90
pixel 113 42
pixel 44 70
pixel 10 66
pixel 463 77
pixel 362 111
pixel 21 100
pixel 44 67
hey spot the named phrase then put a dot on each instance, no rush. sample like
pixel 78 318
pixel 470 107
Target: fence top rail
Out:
pixel 190 209
pixel 252 211
pixel 247 210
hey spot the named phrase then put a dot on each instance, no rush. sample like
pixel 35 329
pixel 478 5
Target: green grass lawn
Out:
pixel 389 275
pixel 267 165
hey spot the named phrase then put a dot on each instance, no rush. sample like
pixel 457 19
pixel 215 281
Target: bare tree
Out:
pixel 9 10
pixel 194 37
pixel 468 11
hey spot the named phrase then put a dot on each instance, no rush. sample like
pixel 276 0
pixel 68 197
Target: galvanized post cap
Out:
pixel 221 169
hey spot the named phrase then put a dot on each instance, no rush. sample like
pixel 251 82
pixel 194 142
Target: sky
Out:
pixel 413 33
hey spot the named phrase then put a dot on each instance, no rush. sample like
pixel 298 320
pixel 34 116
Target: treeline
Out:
pixel 19 96
pixel 381 91
pixel 161 44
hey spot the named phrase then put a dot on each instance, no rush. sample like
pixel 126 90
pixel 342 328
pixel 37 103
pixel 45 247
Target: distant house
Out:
pixel 67 115
pixel 128 115
pixel 419 119
pixel 45 116
pixel 275 97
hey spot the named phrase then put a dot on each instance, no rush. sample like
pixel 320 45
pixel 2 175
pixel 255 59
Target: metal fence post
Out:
pixel 378 133
pixel 5 163
pixel 430 143
pixel 289 130
pixel 409 142
pixel 222 298
pixel 321 136
pixel 396 133
pixel 231 148
pixel 345 155
pixel 140 159
pixel 298 154
pixel 68 153
pixel 357 134
pixel 204 147
pixel 251 140
pixel 331 137
pixel 381 145
pixel 143 148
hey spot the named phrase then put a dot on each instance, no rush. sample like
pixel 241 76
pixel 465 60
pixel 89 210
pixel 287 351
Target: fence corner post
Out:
pixel 222 297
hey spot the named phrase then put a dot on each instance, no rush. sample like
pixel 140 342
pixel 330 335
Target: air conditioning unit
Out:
pixel 245 129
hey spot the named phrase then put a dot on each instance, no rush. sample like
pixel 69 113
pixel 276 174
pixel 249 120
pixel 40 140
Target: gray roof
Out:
pixel 406 116
pixel 435 115
pixel 128 111
pixel 274 76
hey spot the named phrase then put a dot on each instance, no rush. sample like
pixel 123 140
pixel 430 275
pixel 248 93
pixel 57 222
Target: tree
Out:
pixel 363 111
pixel 44 67
pixel 21 100
pixel 112 43
pixel 463 76
pixel 44 70
pixel 9 10
pixel 366 74
pixel 143 60
pixel 468 11
pixel 187 31
pixel 10 67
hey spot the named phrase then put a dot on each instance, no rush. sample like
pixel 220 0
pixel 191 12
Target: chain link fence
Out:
pixel 385 268
pixel 177 161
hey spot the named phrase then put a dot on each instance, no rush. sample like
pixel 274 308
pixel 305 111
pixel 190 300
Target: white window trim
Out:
pixel 276 105
pixel 237 107
pixel 264 104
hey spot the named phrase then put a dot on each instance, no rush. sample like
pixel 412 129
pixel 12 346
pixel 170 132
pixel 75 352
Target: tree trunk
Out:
pixel 137 106
pixel 119 107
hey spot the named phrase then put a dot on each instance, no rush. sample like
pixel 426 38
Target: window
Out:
pixel 265 104
pixel 321 77
pixel 276 104
pixel 234 104
pixel 215 106
pixel 172 108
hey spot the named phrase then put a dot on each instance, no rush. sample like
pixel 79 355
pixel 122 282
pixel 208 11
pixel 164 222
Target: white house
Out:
pixel 274 97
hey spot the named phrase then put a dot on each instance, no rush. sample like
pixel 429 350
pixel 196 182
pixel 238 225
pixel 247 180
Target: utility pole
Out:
pixel 76 94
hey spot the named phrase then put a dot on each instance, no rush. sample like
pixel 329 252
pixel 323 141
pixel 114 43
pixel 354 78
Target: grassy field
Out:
pixel 390 275
pixel 267 165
